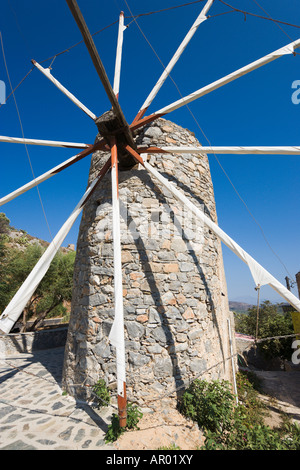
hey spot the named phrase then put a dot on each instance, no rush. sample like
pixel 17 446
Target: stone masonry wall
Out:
pixel 174 289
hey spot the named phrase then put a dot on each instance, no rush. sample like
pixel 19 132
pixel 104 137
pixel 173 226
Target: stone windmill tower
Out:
pixel 174 289
pixel 150 307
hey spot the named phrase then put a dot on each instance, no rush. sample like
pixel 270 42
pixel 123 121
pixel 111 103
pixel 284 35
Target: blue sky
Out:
pixel 254 110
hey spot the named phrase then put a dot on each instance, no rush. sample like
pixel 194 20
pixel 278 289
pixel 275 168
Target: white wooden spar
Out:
pixel 116 335
pixel 122 28
pixel 288 49
pixel 202 17
pixel 46 143
pixel 254 150
pixel 45 176
pixel 47 73
pixel 24 294
pixel 260 275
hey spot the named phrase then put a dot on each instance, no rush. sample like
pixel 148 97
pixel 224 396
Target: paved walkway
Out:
pixel 34 415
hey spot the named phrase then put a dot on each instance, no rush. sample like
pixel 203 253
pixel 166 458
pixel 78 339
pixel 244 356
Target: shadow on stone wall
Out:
pixel 158 303
pixel 193 255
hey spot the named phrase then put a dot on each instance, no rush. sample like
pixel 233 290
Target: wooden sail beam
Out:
pixel 253 150
pixel 260 275
pixel 116 335
pixel 52 172
pixel 89 42
pixel 47 73
pixel 288 49
pixel 201 17
pixel 46 143
pixel 16 306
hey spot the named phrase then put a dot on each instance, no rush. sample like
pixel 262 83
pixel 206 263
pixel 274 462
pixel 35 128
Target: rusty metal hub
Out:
pixel 108 127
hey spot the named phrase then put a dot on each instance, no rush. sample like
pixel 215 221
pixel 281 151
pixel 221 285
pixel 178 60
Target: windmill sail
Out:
pixel 116 335
pixel 24 294
pixel 47 73
pixel 117 76
pixel 26 187
pixel 238 150
pixel 288 49
pixel 201 17
pixel 260 275
pixel 47 143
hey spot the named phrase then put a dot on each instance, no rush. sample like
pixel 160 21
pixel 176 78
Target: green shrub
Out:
pixel 253 437
pixel 102 393
pixel 227 426
pixel 114 429
pixel 172 446
pixel 210 404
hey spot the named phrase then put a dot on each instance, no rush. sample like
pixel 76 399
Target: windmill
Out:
pixel 117 137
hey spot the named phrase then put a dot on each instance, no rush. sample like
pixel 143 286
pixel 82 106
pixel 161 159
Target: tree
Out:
pixel 4 256
pixel 4 224
pixel 270 323
pixel 53 290
pixel 16 263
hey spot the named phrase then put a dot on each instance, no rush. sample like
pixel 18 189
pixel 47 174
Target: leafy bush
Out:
pixel 210 404
pixel 114 429
pixel 102 393
pixel 228 426
pixel 4 224
pixel 253 437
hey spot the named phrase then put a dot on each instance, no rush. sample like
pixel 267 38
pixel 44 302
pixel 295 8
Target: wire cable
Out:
pixel 20 83
pixel 245 13
pixel 134 17
pixel 78 43
pixel 277 24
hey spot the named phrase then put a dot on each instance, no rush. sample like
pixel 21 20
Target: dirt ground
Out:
pixel 163 428
pixel 168 427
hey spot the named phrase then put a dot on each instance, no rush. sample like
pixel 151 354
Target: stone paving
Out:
pixel 34 413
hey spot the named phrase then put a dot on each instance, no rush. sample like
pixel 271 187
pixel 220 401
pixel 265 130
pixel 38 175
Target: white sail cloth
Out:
pixel 47 73
pixel 40 179
pixel 116 335
pixel 260 275
pixel 47 143
pixel 200 19
pixel 288 49
pixel 16 306
pixel 257 150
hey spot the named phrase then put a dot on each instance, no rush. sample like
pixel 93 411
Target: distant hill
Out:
pixel 239 307
pixel 20 239
pixel 242 307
